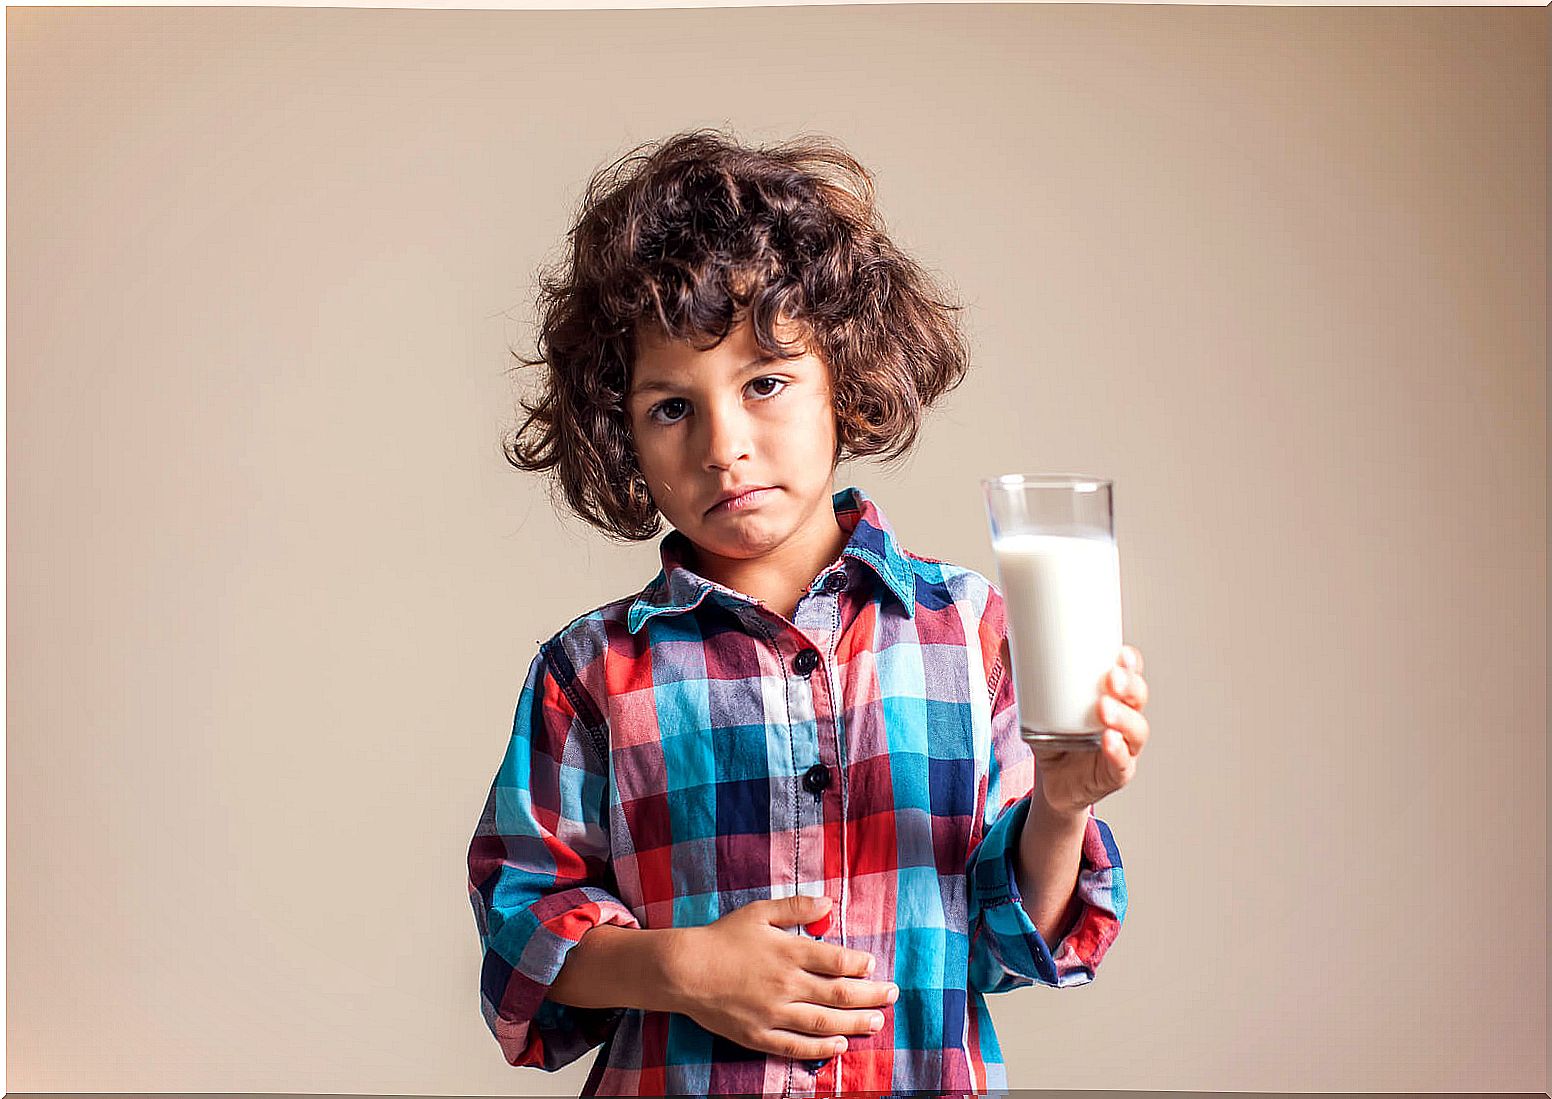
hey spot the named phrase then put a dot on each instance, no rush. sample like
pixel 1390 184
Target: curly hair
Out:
pixel 690 236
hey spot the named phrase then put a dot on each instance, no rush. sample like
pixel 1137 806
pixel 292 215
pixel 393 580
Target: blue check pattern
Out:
pixel 683 751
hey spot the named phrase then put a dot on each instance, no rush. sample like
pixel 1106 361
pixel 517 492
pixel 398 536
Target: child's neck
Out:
pixel 780 578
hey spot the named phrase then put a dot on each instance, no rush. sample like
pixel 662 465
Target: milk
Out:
pixel 1063 596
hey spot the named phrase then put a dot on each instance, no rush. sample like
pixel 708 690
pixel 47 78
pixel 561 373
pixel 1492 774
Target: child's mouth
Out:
pixel 742 503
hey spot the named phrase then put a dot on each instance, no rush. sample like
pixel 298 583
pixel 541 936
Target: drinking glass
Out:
pixel 1060 573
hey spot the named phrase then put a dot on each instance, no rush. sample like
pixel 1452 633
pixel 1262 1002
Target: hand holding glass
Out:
pixel 1060 574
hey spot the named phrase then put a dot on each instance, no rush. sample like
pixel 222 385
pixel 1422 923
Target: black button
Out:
pixel 835 582
pixel 806 661
pixel 816 778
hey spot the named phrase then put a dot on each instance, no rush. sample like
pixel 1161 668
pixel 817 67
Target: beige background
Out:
pixel 273 589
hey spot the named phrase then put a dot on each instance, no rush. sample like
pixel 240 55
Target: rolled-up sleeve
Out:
pixel 540 876
pixel 1007 951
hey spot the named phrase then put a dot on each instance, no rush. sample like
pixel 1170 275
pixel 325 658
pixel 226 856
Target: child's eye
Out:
pixel 769 378
pixel 652 413
pixel 661 406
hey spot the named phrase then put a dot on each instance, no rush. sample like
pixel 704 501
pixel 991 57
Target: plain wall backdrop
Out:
pixel 273 589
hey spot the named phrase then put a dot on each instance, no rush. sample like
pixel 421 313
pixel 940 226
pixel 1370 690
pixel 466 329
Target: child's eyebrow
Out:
pixel 657 385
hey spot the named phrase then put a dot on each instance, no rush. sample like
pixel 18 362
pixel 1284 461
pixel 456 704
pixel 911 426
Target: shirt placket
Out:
pixel 808 644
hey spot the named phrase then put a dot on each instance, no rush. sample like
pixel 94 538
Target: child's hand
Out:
pixel 771 991
pixel 1070 780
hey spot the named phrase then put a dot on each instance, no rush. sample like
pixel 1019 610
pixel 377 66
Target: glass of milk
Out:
pixel 1060 574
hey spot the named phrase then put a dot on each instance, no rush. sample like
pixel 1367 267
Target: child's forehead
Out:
pixel 649 337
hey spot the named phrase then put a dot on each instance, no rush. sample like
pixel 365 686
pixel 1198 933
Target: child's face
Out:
pixel 708 421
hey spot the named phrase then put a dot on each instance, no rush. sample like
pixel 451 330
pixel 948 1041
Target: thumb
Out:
pixel 799 908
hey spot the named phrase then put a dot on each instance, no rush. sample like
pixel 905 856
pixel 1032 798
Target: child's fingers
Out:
pixel 797 908
pixel 1118 756
pixel 1125 720
pixel 836 961
pixel 806 1018
pixel 1129 687
pixel 802 1047
pixel 847 992
pixel 1131 656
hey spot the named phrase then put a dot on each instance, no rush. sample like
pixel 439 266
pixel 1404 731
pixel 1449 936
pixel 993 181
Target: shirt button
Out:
pixel 806 661
pixel 816 778
pixel 835 582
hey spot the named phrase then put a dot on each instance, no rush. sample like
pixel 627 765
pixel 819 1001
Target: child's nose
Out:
pixel 727 438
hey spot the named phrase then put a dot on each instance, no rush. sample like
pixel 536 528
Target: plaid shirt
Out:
pixel 685 751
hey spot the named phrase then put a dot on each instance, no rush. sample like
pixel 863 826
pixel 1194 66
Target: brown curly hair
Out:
pixel 688 237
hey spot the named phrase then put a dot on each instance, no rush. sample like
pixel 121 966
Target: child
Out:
pixel 768 826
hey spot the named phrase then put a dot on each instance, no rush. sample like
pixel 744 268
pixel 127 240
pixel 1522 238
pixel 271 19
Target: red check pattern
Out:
pixel 684 751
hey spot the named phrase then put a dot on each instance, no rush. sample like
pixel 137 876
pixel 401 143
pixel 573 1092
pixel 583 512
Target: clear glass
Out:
pixel 1060 573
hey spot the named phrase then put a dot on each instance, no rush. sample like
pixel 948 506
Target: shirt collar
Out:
pixel 872 541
